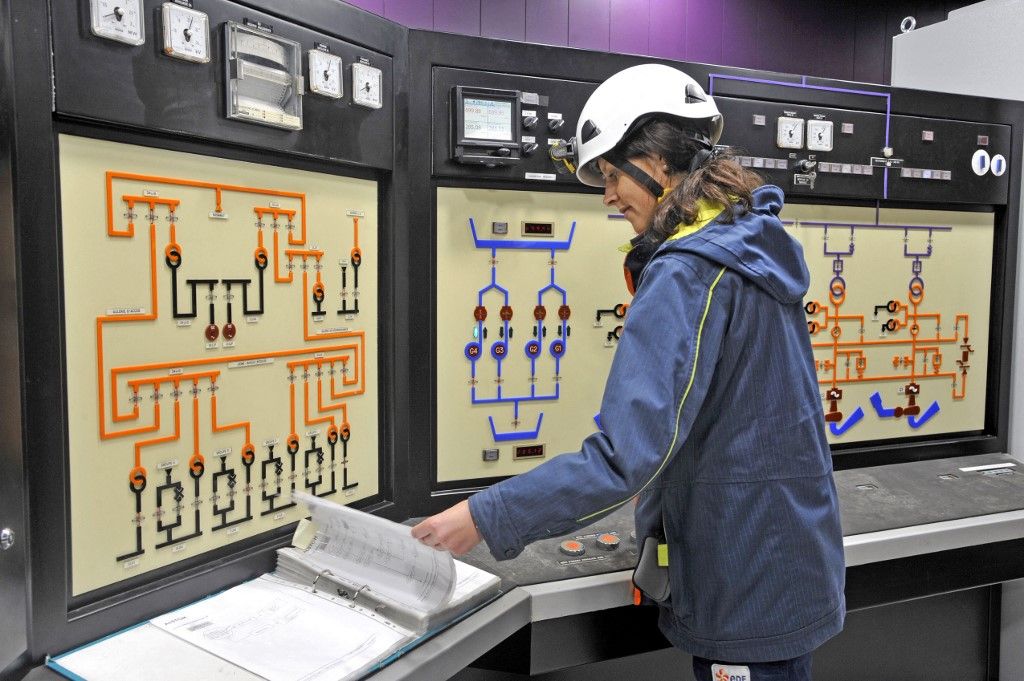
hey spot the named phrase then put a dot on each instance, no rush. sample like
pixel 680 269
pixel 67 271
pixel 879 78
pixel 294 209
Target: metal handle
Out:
pixel 6 538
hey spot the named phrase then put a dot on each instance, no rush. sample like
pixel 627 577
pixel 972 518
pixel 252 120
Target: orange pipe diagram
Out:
pixel 354 352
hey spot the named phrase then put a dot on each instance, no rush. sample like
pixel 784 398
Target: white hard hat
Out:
pixel 632 95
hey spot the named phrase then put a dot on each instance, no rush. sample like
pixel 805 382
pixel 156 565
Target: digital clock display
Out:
pixel 538 229
pixel 528 452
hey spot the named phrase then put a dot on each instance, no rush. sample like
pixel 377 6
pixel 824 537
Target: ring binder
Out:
pixel 318 576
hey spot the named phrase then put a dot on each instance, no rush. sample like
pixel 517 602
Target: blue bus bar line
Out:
pixel 514 400
pixel 516 434
pixel 854 418
pixel 522 244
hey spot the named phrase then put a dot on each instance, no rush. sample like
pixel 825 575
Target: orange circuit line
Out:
pixel 215 186
pixel 158 440
pixel 277 261
pixel 104 435
pixel 246 425
pixel 320 419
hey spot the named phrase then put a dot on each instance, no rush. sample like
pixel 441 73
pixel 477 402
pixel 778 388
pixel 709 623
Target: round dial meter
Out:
pixel 790 133
pixel 186 33
pixel 325 74
pixel 120 20
pixel 366 86
pixel 819 135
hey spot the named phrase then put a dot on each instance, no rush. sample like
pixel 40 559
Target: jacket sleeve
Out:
pixel 656 387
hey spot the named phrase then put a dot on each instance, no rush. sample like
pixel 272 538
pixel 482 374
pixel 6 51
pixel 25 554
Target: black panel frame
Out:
pixel 48 619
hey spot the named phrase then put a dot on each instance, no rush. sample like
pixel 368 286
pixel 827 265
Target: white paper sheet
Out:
pixel 375 550
pixel 284 633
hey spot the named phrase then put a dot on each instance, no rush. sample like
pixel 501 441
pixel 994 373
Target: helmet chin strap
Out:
pixel 642 178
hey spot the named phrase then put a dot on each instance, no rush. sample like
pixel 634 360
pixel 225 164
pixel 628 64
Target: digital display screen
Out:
pixel 487 119
pixel 538 229
pixel 528 452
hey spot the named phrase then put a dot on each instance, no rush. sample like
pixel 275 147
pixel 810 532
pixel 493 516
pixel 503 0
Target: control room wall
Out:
pixel 845 40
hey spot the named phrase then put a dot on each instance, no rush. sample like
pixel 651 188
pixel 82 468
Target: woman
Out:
pixel 711 416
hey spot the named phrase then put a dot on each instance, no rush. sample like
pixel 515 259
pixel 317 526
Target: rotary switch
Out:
pixel 607 541
pixel 571 547
pixel 555 124
pixel 529 148
pixel 529 122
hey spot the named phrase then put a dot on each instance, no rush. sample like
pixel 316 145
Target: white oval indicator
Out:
pixel 980 162
pixel 998 165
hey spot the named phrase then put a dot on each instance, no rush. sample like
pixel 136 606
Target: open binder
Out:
pixel 354 593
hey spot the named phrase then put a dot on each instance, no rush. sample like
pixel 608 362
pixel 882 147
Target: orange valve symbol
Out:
pixel 505 313
pixel 916 290
pixel 892 306
pixel 248 454
pixel 137 479
pixel 346 432
pixel 564 312
pixel 812 307
pixel 914 329
pixel 318 292
pixel 196 465
pixel 836 332
pixel 292 443
pixel 172 255
pixel 813 327
pixel 261 258
pixel 332 434
pixel 837 291
pixel 539 313
pixel 480 313
pixel 357 257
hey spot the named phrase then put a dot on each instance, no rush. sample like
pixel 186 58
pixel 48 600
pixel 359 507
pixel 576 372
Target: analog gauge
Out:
pixel 186 33
pixel 819 135
pixel 325 74
pixel 790 133
pixel 366 86
pixel 120 20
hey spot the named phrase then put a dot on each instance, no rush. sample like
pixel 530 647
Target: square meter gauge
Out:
pixel 263 77
pixel 789 133
pixel 366 86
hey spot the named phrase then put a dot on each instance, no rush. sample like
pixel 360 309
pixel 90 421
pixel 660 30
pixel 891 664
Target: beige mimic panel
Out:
pixel 221 350
pixel 923 275
pixel 898 313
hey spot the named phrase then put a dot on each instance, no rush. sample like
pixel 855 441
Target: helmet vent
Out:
pixel 694 94
pixel 589 132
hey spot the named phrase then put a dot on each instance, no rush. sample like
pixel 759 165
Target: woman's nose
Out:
pixel 609 195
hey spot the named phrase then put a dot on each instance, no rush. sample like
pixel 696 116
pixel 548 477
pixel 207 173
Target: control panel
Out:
pixel 221 351
pixel 223 72
pixel 608 545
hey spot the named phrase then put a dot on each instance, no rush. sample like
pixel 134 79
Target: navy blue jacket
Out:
pixel 712 417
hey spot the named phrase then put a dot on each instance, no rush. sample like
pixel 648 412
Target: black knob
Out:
pixel 503 151
pixel 806 166
pixel 529 148
pixel 555 124
pixel 529 122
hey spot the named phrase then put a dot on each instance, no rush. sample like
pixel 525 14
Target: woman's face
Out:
pixel 628 196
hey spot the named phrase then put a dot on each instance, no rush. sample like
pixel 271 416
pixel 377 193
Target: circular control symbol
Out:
pixel 980 162
pixel 998 165
pixel 571 547
pixel 499 350
pixel 532 349
pixel 473 351
pixel 557 349
pixel 607 541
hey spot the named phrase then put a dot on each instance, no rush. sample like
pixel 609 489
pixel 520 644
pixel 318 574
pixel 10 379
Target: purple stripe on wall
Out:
pixel 503 19
pixel 704 32
pixel 411 13
pixel 457 16
pixel 668 29
pixel 375 6
pixel 589 24
pixel 630 22
pixel 547 21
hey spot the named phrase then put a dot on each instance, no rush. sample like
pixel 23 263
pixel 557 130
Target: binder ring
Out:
pixel 318 576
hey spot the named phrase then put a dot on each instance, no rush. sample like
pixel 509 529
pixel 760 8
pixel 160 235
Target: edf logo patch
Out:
pixel 721 672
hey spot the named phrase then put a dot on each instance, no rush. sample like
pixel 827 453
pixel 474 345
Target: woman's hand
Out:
pixel 452 530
